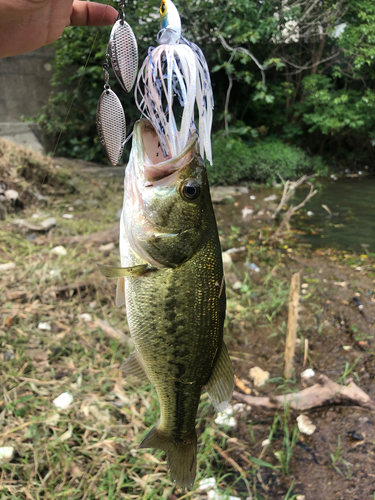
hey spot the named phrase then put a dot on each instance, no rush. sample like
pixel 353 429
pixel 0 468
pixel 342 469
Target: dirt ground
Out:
pixel 336 317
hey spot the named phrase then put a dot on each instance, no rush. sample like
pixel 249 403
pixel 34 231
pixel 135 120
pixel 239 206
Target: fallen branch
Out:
pixel 326 392
pixel 290 343
pixel 113 333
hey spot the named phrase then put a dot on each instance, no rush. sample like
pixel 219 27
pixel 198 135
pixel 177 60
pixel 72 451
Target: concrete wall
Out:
pixel 25 85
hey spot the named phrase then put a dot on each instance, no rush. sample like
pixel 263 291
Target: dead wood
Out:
pixel 291 335
pixel 113 332
pixel 108 236
pixel 325 393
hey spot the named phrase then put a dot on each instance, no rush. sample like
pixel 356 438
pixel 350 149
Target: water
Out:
pixel 352 223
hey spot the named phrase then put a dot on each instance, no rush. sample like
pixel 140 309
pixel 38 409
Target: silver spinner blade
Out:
pixel 123 51
pixel 111 125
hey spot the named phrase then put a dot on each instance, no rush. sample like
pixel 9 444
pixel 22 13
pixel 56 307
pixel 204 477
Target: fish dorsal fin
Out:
pixel 120 292
pixel 221 383
pixel 134 366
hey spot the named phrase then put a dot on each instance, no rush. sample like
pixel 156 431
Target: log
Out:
pixel 325 393
pixel 290 344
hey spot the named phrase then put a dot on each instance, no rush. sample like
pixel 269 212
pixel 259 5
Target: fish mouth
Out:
pixel 156 165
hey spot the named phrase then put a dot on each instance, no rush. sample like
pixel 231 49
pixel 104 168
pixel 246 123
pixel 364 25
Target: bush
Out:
pixel 235 161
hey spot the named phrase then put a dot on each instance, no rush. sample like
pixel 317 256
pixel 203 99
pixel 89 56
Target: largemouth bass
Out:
pixel 173 284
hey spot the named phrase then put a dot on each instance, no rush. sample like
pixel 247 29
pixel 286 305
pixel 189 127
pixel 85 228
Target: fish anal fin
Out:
pixel 119 272
pixel 221 383
pixel 182 456
pixel 134 366
pixel 120 292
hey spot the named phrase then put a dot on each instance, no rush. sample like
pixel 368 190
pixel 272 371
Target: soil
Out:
pixel 336 316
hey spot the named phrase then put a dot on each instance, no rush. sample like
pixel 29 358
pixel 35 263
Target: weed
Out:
pixel 337 458
pixel 348 370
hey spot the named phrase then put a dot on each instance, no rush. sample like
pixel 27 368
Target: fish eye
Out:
pixel 191 189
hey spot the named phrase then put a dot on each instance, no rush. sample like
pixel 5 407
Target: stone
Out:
pixel 258 376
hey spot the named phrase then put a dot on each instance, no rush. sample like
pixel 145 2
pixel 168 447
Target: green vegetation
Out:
pixel 265 161
pixel 296 72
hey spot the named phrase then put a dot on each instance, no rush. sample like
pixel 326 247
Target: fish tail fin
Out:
pixel 182 456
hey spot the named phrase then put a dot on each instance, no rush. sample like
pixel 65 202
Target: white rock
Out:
pixel 300 497
pixel 207 484
pixel 237 285
pixel 48 223
pixel 107 248
pixel 252 197
pixel 310 213
pixel 6 453
pixel 68 216
pixel 227 259
pixel 259 376
pixel 7 267
pixel 273 197
pixel 307 374
pixel 85 317
pixel 216 495
pixel 236 250
pixel 305 425
pixel 226 417
pixel 63 401
pixel 11 195
pixel 44 326
pixel 265 443
pixel 59 250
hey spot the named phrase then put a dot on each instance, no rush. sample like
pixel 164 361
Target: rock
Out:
pixel 59 250
pixel 235 250
pixel 272 197
pixel 7 267
pixel 307 374
pixel 300 497
pixel 11 195
pixel 207 484
pixel 85 317
pixel 237 285
pixel 252 197
pixel 68 216
pixel 6 453
pixel 310 213
pixel 247 213
pixel 48 223
pixel 107 248
pixel 265 443
pixel 44 327
pixel 305 425
pixel 227 259
pixel 63 401
pixel 39 196
pixel 258 376
pixel 226 417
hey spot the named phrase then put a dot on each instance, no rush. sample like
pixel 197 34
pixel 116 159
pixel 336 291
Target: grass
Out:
pixel 90 450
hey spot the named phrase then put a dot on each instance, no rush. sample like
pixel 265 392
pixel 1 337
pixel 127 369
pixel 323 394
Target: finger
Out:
pixel 92 14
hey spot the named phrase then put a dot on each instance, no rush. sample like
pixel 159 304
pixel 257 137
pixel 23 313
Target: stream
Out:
pixel 351 224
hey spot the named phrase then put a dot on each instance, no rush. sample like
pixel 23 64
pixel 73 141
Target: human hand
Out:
pixel 26 25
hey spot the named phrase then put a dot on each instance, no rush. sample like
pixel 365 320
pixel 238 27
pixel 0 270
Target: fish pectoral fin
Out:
pixel 120 292
pixel 221 383
pixel 134 366
pixel 119 272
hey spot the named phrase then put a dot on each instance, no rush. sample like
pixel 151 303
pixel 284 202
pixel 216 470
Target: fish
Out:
pixel 171 280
